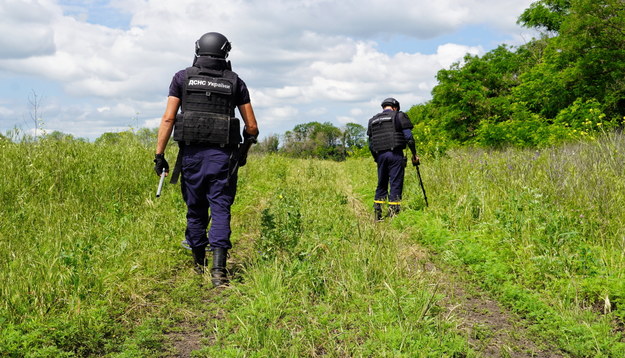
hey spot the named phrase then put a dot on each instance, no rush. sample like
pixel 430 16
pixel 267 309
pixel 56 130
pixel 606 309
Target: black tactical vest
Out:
pixel 384 134
pixel 207 110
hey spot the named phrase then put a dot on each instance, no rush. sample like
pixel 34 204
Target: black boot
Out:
pixel 219 274
pixel 393 210
pixel 199 259
pixel 377 208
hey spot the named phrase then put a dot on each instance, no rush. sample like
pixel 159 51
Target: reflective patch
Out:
pixel 209 84
pixel 381 120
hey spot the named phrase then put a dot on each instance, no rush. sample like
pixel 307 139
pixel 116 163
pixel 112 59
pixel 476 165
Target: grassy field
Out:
pixel 91 262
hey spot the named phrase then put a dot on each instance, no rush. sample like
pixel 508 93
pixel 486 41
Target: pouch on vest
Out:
pixel 203 128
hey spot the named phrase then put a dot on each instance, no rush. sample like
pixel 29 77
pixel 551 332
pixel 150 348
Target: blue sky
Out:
pixel 102 66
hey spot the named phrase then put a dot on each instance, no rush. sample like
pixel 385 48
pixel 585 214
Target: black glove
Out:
pixel 160 164
pixel 248 138
pixel 415 160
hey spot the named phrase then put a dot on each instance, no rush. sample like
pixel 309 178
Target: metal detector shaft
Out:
pixel 160 184
pixel 421 183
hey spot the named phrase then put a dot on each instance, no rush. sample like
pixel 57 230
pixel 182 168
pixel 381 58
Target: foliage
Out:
pixel 537 94
pixel 280 227
pixel 268 144
pixel 60 136
pixel 323 141
pixel 545 14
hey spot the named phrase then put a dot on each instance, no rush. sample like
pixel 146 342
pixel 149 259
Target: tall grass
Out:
pixel 91 263
pixel 79 236
pixel 321 279
pixel 543 229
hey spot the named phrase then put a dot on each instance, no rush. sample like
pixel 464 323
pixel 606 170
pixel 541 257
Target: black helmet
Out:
pixel 212 44
pixel 390 102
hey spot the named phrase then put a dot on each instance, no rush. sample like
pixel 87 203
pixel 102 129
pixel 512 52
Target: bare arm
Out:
pixel 167 124
pixel 247 112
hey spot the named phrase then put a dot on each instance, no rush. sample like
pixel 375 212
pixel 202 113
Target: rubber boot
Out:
pixel 219 274
pixel 393 210
pixel 199 259
pixel 377 208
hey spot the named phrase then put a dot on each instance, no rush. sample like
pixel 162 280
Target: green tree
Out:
pixel 314 139
pixel 354 136
pixel 546 15
pixel 59 136
pixel 269 144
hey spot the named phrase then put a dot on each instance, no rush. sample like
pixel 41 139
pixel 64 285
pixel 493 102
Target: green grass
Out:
pixel 91 262
pixel 82 243
pixel 542 230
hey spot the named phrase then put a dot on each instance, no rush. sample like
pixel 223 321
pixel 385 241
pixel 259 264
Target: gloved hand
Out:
pixel 248 138
pixel 415 160
pixel 160 164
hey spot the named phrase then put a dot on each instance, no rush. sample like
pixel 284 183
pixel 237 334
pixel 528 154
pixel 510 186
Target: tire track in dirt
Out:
pixel 490 329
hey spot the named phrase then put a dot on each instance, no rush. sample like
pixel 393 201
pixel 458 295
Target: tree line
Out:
pixel 567 84
pixel 317 140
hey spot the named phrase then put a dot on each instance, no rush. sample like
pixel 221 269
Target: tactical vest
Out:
pixel 383 133
pixel 207 109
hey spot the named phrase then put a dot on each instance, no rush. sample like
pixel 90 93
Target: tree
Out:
pixel 314 139
pixel 546 15
pixel 354 136
pixel 34 101
pixel 269 144
pixel 59 136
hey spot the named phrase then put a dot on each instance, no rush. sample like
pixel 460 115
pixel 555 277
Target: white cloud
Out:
pixel 4 111
pixel 26 28
pixel 303 60
pixel 152 123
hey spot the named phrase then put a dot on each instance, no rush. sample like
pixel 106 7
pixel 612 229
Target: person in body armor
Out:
pixel 208 135
pixel 389 133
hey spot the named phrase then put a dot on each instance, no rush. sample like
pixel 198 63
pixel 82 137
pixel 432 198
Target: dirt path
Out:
pixel 490 329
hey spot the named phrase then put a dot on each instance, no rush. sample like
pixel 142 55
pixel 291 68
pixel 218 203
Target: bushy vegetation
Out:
pixel 317 140
pixel 567 85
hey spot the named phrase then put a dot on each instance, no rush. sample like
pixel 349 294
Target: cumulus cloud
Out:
pixel 303 60
pixel 26 29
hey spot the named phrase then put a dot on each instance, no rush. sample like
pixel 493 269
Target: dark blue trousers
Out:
pixel 205 185
pixel 390 171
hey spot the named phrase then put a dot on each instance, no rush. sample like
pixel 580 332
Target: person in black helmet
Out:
pixel 389 133
pixel 208 135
